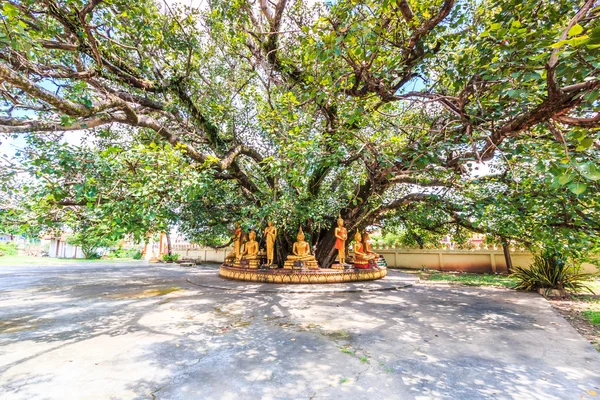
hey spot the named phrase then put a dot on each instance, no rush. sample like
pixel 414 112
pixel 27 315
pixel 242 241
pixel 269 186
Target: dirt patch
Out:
pixel 143 294
pixel 337 335
pixel 16 326
pixel 571 309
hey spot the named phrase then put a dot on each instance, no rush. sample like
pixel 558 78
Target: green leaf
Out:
pixel 590 171
pixel 10 10
pixel 565 178
pixel 575 30
pixel 559 44
pixel 577 188
pixel 586 142
pixel 579 41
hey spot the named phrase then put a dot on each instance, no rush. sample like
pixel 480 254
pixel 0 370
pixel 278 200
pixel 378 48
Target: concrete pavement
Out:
pixel 138 331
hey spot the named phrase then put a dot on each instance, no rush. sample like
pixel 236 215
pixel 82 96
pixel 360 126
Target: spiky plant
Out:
pixel 549 271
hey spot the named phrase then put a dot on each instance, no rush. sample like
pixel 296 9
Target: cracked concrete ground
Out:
pixel 137 331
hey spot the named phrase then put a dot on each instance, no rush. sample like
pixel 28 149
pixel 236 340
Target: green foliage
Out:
pixel 8 249
pixel 170 257
pixel 92 255
pixel 437 124
pixel 123 253
pixel 551 270
pixel 90 241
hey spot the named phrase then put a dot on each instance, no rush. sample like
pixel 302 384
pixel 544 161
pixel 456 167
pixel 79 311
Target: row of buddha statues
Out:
pixel 246 252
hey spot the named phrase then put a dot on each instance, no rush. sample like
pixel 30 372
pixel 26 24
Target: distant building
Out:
pixel 59 248
pixel 476 240
pixel 16 239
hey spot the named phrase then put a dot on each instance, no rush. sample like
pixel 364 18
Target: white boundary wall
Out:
pixel 478 260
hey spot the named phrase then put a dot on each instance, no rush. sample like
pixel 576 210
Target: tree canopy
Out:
pixel 435 115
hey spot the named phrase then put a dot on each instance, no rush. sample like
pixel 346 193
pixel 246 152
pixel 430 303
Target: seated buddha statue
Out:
pixel 368 245
pixel 301 256
pixel 251 247
pixel 361 257
pixel 250 251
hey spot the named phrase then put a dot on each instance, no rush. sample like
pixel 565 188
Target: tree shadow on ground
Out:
pixel 428 342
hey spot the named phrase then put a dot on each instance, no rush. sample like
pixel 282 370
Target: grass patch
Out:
pixel 472 279
pixel 592 316
pixel 347 350
pixel 344 380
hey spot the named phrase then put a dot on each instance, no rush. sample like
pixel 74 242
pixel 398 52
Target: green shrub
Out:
pixel 92 256
pixel 9 249
pixel 123 253
pixel 550 270
pixel 170 257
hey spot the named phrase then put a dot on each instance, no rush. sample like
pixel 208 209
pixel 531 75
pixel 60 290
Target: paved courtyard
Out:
pixel 131 330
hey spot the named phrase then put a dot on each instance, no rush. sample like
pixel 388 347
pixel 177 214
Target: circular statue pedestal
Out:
pixel 301 275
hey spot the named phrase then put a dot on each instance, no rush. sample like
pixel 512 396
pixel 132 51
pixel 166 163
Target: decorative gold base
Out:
pixel 253 264
pixel 290 264
pixel 288 275
pixel 365 264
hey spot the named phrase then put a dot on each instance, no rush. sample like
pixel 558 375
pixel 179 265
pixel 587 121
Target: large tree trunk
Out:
pixel 506 249
pixel 282 249
pixel 322 241
pixel 169 247
pixel 325 252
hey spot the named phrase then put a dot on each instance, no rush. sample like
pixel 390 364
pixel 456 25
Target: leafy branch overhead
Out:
pixel 295 112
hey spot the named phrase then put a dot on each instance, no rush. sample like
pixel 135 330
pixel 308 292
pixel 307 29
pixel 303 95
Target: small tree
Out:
pixel 90 242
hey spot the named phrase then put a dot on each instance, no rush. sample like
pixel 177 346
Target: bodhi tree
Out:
pixel 381 111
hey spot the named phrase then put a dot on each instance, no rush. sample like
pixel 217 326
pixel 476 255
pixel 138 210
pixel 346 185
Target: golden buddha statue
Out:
pixel 249 254
pixel 341 234
pixel 250 247
pixel 234 256
pixel 270 236
pixel 368 245
pixel 237 241
pixel 361 258
pixel 301 256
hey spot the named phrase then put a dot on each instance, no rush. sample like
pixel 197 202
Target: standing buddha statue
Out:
pixel 341 234
pixel 237 241
pixel 270 236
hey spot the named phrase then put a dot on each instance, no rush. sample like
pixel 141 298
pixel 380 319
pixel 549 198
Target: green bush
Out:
pixel 92 256
pixel 123 253
pixel 170 257
pixel 9 249
pixel 550 270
